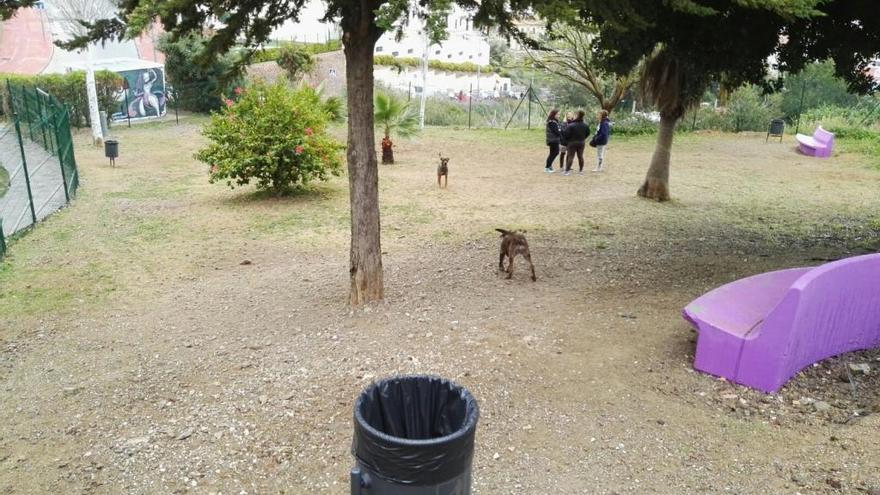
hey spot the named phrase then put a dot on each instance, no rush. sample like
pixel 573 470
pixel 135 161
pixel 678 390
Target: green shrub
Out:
pixel 634 124
pixel 274 136
pixel 401 62
pixel 295 61
pixel 818 86
pixel 198 87
pixel 863 117
pixel 271 54
pixel 335 108
pixel 443 112
pixel 70 88
pixel 748 110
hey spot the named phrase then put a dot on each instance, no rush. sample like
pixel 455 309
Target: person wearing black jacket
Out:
pixel 576 134
pixel 552 136
pixel 563 145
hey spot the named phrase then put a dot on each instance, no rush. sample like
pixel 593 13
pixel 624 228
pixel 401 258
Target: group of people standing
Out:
pixel 568 139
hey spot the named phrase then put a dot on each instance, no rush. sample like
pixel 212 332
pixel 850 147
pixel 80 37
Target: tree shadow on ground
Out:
pixel 301 195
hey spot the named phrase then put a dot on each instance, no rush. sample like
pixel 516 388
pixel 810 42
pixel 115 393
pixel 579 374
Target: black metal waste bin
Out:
pixel 414 435
pixel 111 150
pixel 777 128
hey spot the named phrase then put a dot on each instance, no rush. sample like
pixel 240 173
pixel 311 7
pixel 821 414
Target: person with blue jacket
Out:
pixel 600 140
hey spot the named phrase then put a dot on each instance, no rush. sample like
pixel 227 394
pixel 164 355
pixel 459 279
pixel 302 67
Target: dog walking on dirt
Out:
pixel 512 244
pixel 443 170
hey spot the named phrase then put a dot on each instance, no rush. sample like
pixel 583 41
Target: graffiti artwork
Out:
pixel 143 94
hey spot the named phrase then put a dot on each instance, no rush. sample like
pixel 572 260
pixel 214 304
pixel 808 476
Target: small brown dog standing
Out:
pixel 512 244
pixel 443 170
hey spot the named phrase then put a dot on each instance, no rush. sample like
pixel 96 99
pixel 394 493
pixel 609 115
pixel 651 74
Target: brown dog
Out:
pixel 512 244
pixel 443 170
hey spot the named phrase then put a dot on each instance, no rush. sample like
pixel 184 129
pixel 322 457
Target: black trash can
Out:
pixel 414 435
pixel 111 148
pixel 777 129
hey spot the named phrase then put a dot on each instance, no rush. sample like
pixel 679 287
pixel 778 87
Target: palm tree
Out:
pixel 393 115
pixel 673 87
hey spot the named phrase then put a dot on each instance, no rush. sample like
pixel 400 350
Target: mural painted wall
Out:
pixel 143 95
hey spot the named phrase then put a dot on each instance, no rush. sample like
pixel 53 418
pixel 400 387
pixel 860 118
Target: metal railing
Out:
pixel 36 149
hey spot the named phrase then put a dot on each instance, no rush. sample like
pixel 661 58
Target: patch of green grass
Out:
pixel 153 188
pixel 31 289
pixel 410 213
pixel 442 234
pixel 4 181
pixel 293 222
pixel 869 146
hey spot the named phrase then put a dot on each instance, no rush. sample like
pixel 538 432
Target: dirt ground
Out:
pixel 165 335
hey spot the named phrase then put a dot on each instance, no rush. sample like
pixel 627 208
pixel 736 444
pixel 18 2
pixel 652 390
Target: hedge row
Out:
pixel 433 64
pixel 70 88
pixel 270 54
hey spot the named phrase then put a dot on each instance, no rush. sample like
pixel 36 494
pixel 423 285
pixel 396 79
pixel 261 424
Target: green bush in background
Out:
pixel 197 87
pixel 272 53
pixel 749 110
pixel 295 61
pixel 401 62
pixel 819 86
pixel 70 88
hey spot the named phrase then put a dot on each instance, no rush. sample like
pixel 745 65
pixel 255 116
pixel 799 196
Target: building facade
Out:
pixel 463 43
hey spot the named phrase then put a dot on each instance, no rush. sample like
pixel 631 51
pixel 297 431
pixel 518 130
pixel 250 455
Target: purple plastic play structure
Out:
pixel 761 330
pixel 818 145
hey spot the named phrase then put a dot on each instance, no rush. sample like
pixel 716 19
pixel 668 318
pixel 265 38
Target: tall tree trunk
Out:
pixel 656 184
pixel 363 172
pixel 92 94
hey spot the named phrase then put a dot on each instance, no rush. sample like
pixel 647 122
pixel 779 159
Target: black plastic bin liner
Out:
pixel 415 430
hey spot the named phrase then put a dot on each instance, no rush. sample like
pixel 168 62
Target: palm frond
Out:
pixel 670 83
pixel 393 115
pixel 408 125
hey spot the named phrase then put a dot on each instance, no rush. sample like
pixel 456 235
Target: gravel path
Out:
pixel 184 338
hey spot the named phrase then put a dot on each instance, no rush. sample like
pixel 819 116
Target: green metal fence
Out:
pixel 36 149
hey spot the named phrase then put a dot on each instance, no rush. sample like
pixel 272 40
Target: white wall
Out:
pixel 441 83
pixel 464 44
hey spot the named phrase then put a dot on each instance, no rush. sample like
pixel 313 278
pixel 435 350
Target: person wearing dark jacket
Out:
pixel 552 136
pixel 600 140
pixel 563 144
pixel 576 134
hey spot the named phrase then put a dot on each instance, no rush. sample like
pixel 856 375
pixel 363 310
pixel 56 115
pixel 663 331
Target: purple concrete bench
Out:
pixel 759 331
pixel 818 145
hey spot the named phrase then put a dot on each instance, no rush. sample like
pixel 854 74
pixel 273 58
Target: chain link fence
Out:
pixel 37 160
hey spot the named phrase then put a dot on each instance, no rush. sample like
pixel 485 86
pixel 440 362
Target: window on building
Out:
pixel 437 52
pixel 409 51
pixel 449 56
pixel 378 49
pixel 394 54
pixel 461 53
pixel 471 57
